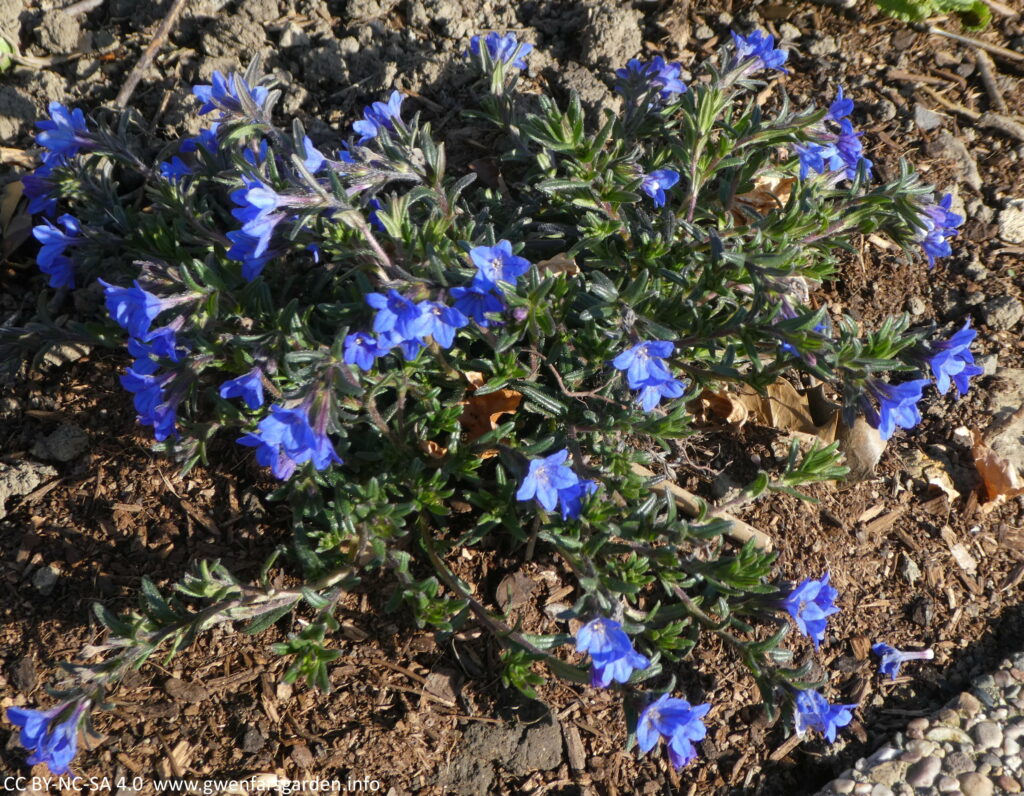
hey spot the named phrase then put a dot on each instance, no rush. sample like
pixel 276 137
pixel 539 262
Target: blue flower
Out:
pixel 656 74
pixel 159 343
pixel 760 46
pixel 40 191
pixel 174 169
pixel 814 712
pixel 244 249
pixel 897 405
pixel 937 225
pixel 441 322
pixel 248 387
pixel 850 150
pixel 205 138
pixel 645 362
pixel 225 94
pixel 503 48
pixel 813 156
pixel 654 389
pixel 284 440
pixel 611 652
pixel 362 349
pixel 409 346
pixel 675 720
pixel 893 658
pixel 952 360
pixel 314 159
pixel 257 211
pixel 497 263
pixel 396 313
pixel 379 116
pixel 570 499
pixel 840 108
pixel 476 301
pixel 657 182
pixel 51 735
pixel 546 478
pixel 132 307
pixel 810 604
pixel 64 134
pixel 53 241
pixel 156 405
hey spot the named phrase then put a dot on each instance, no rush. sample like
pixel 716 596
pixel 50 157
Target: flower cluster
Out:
pixel 647 372
pixel 758 51
pixel 657 75
pixel 937 224
pixel 675 720
pixel 838 151
pixel 952 361
pixel 52 734
pixel 611 652
pixel 553 483
pixel 284 439
pixel 51 258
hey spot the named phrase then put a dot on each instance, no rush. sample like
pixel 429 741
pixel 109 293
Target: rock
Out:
pixel 1001 313
pixel 612 34
pixel 1007 784
pixel 23 674
pixel 976 270
pixel 45 580
pixel 823 46
pixel 889 773
pixel 1011 222
pixel 987 735
pixel 881 790
pixel 789 32
pixel 185 692
pixel 59 32
pixel 923 773
pixel 21 478
pixel 885 110
pixel 540 748
pixel 65 443
pixel 703 33
pixel 843 786
pixel 916 305
pixel 974 784
pixel 957 763
pixel 968 703
pixel 253 740
pixel 952 148
pixel 989 363
pixel 926 118
pixel 948 785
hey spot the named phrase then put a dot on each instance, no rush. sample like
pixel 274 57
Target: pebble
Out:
pixel 825 45
pixel 1011 222
pixel 923 773
pixel 926 118
pixel 948 785
pixel 45 580
pixel 974 784
pixel 1002 312
pixel 1007 784
pixel 987 735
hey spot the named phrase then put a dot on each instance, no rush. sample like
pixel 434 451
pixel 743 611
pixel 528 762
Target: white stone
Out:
pixel 1011 222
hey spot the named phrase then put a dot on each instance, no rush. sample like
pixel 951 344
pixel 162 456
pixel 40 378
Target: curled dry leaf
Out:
pixel 934 472
pixel 1000 479
pixel 559 264
pixel 482 413
pixel 770 192
pixel 15 221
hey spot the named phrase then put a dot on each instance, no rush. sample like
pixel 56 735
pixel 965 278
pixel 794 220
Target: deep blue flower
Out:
pixel 259 204
pixel 893 658
pixel 657 74
pixel 497 263
pixel 396 313
pixel 40 191
pixel 654 389
pixel 442 322
pixel 248 387
pixel 174 169
pixel 675 720
pixel 51 741
pixel 64 134
pixel 156 404
pixel 205 138
pixel 644 362
pixel 851 150
pixel 657 182
pixel 476 301
pixel 224 94
pixel 409 346
pixel 132 307
pixel 897 405
pixel 243 250
pixel 952 360
pixel 546 478
pixel 840 108
pixel 157 344
pixel 937 225
pixel 53 241
pixel 813 157
pixel 761 46
pixel 314 159
pixel 379 116
pixel 284 439
pixel 570 499
pixel 810 604
pixel 611 652
pixel 814 712
pixel 362 349
pixel 503 48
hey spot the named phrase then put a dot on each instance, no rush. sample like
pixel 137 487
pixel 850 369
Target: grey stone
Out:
pixel 923 773
pixel 950 734
pixel 23 674
pixel 1002 313
pixel 44 580
pixel 1010 748
pixel 612 35
pixel 21 478
pixel 1007 784
pixel 952 148
pixel 843 786
pixel 703 33
pixel 916 305
pixel 1011 222
pixel 59 32
pixel 825 45
pixel 957 763
pixel 789 32
pixel 881 790
pixel 885 110
pixel 253 740
pixel 987 735
pixel 948 784
pixel 65 443
pixel 968 703
pixel 926 118
pixel 889 773
pixel 975 784
pixel 976 271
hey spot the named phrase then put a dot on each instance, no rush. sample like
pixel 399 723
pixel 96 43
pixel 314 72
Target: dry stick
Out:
pixel 988 77
pixel 993 121
pixel 689 504
pixel 159 38
pixel 995 49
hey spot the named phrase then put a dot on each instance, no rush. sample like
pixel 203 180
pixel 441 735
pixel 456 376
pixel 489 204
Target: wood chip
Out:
pixel 879 526
pixel 574 747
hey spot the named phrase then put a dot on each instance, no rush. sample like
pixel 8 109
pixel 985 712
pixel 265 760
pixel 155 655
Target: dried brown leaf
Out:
pixel 559 264
pixel 1000 479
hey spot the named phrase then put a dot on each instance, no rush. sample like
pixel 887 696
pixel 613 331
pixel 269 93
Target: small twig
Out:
pixel 162 32
pixel 995 49
pixel 988 77
pixel 45 62
pixel 82 7
pixel 1001 9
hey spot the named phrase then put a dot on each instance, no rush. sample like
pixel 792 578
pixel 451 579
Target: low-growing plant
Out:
pixel 389 338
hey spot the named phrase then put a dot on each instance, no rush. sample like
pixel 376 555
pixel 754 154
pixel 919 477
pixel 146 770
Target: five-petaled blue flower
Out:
pixel 157 344
pixel 496 264
pixel 810 604
pixel 570 499
pixel 951 360
pixel 362 349
pixel 893 658
pixel 814 712
pixel 611 652
pixel 937 224
pixel 285 439
pixel 64 134
pixel 441 322
pixel 657 182
pixel 225 94
pixel 476 301
pixel 51 259
pixel 205 138
pixel 675 720
pixel 258 211
pixel 840 108
pixel 760 46
pixel 653 390
pixel 51 735
pixel 547 478
pixel 897 405
pixel 657 74
pixel 379 116
pixel 645 361
pixel 503 48
pixel 396 313
pixel 248 387
pixel 132 307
